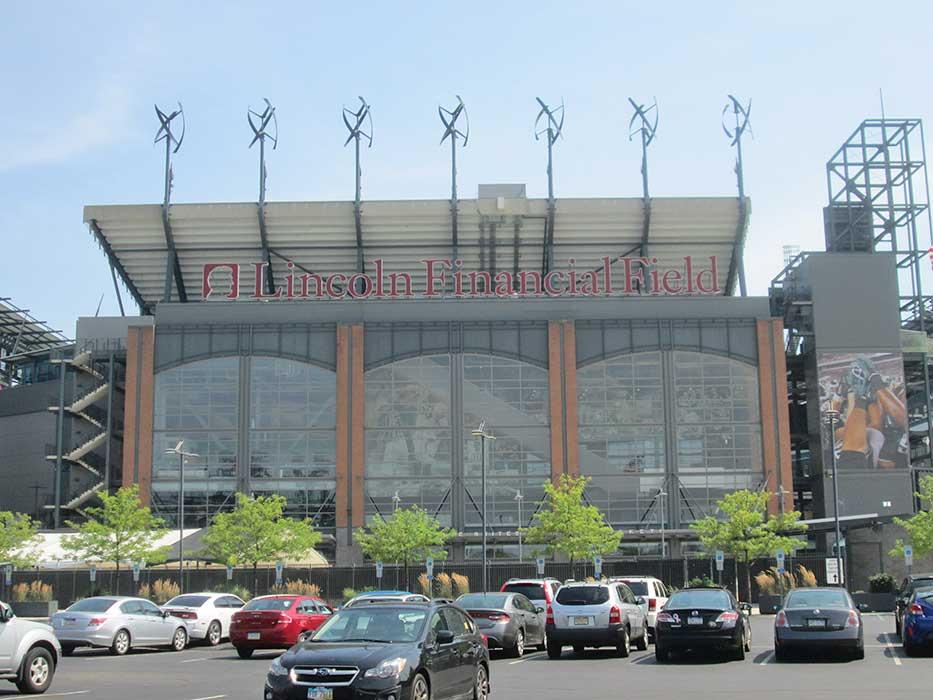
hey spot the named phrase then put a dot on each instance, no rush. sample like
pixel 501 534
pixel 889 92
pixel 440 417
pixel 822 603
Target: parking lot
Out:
pixel 203 673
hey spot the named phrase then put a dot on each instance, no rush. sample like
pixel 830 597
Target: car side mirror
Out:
pixel 639 601
pixel 305 636
pixel 444 637
pixel 864 607
pixel 6 613
pixel 539 609
pixel 745 608
pixel 166 614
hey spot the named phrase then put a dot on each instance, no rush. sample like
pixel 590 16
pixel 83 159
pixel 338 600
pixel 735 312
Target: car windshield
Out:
pixel 482 600
pixel 92 605
pixel 817 599
pixel 638 587
pixel 921 583
pixel 583 595
pixel 532 591
pixel 269 604
pixel 709 600
pixel 372 624
pixel 189 601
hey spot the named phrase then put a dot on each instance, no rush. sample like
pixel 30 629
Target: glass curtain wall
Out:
pixel 705 445
pixel 290 444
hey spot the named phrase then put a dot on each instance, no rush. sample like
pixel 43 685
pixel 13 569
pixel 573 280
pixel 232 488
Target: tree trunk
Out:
pixel 405 564
pixel 748 579
pixel 116 585
pixel 255 579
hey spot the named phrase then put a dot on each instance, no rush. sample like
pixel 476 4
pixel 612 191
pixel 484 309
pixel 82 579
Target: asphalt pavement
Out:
pixel 204 673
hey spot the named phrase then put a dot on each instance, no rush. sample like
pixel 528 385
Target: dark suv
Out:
pixel 908 586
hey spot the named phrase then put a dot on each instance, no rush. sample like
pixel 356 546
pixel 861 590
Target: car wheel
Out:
pixel 623 648
pixel 554 650
pixel 543 645
pixel 214 633
pixel 244 653
pixel 578 649
pixel 660 653
pixel 37 671
pixel 420 690
pixel 67 650
pixel 481 685
pixel 780 654
pixel 859 653
pixel 738 654
pixel 180 639
pixel 910 648
pixel 121 643
pixel 518 649
pixel 748 642
pixel 897 625
pixel 642 642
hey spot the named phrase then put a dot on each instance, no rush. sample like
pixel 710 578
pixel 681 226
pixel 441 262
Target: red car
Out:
pixel 275 621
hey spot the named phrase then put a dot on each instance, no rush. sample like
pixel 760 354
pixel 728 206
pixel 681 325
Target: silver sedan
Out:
pixel 118 623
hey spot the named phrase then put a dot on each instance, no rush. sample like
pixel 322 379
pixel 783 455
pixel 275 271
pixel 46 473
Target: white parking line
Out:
pixel 897 659
pixel 768 659
pixel 191 661
pixel 211 697
pixel 511 663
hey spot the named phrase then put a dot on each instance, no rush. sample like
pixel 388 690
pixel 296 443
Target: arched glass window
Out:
pixel 198 403
pixel 408 433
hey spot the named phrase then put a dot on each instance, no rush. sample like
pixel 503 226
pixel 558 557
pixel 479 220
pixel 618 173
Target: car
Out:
pixel 118 623
pixel 540 591
pixel 702 619
pixel 508 620
pixel 908 586
pixel 652 590
pixel 818 618
pixel 417 651
pixel 29 652
pixel 208 614
pixel 275 622
pixel 596 615
pixel 387 597
pixel 917 623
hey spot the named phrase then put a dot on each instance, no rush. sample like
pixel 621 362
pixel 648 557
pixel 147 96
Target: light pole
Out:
pixel 831 416
pixel 483 436
pixel 179 450
pixel 662 494
pixel 518 499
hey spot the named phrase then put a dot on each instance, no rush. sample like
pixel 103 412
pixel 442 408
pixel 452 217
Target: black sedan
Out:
pixel 385 652
pixel 818 618
pixel 701 619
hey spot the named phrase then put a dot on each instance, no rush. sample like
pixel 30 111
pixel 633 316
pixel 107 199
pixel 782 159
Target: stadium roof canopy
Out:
pixel 494 234
pixel 21 333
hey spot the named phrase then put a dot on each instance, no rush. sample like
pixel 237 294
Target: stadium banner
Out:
pixel 869 432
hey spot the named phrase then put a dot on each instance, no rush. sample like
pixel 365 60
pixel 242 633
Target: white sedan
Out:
pixel 207 614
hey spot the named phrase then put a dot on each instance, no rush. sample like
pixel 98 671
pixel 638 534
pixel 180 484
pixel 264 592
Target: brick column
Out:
pixel 556 393
pixel 137 434
pixel 342 495
pixel 357 417
pixel 571 426
pixel 775 420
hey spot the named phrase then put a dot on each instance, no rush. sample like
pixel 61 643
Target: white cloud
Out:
pixel 104 121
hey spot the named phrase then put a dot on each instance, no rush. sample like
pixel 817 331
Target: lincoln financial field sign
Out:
pixel 444 277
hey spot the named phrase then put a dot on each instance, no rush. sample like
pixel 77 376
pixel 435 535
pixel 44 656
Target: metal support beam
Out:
pixel 357 132
pixel 449 119
pixel 644 122
pixel 118 266
pixel 555 124
pixel 741 116
pixel 261 125
pixel 172 144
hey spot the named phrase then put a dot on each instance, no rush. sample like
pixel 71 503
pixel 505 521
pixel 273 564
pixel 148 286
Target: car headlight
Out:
pixel 277 669
pixel 390 668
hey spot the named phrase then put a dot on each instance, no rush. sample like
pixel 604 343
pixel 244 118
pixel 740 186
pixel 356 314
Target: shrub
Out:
pixel 461 584
pixel 424 583
pixel 160 592
pixel 349 593
pixel 766 583
pixel 445 587
pixel 297 587
pixel 35 592
pixel 881 583
pixel 770 582
pixel 699 582
pixel 805 577
pixel 241 592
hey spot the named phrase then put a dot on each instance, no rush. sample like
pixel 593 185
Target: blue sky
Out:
pixel 80 79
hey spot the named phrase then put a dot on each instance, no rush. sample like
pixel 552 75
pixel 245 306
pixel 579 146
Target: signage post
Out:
pixel 908 557
pixel 379 573
pixel 779 558
pixel 229 572
pixel 720 563
pixel 92 572
pixel 539 564
pixel 136 568
pixel 279 568
pixel 597 567
pixel 834 577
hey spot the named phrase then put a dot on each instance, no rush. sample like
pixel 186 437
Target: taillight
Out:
pixel 284 620
pixel 549 619
pixel 915 609
pixel 728 619
pixel 96 621
pixel 781 619
pixel 183 615
pixel 852 620
pixel 615 615
pixel 665 617
pixel 485 640
pixel 499 617
pixel 652 603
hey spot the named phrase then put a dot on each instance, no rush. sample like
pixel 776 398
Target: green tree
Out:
pixel 256 531
pixel 567 524
pixel 920 525
pixel 746 531
pixel 121 530
pixel 410 535
pixel 17 538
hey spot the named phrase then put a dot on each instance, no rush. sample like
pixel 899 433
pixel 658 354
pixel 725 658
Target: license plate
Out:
pixel 253 635
pixel 816 623
pixel 581 620
pixel 320 694
pixel 694 620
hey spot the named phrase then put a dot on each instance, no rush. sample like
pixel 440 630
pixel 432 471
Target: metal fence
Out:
pixel 73 584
